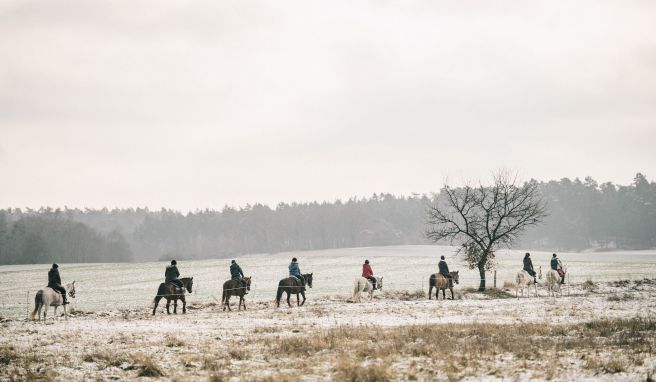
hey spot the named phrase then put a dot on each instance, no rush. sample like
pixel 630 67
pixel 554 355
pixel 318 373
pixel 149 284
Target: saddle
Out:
pixel 175 286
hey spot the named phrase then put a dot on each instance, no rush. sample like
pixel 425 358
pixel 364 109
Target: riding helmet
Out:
pixel 554 255
pixel 527 254
pixel 55 266
pixel 366 261
pixel 233 261
pixel 294 260
pixel 173 262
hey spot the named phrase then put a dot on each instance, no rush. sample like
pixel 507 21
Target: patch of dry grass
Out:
pixel 473 348
pixel 147 367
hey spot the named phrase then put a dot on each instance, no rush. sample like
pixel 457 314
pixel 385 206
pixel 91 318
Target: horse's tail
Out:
pixel 38 302
pixel 279 292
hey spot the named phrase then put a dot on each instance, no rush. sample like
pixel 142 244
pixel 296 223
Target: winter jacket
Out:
pixel 528 264
pixel 294 270
pixel 367 271
pixel 53 277
pixel 171 273
pixel 444 269
pixel 555 263
pixel 236 272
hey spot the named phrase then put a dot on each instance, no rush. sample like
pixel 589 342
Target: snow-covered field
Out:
pixel 113 336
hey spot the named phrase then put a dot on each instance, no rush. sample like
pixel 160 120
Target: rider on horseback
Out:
pixel 237 274
pixel 557 266
pixel 295 271
pixel 171 275
pixel 54 282
pixel 444 270
pixel 368 273
pixel 528 267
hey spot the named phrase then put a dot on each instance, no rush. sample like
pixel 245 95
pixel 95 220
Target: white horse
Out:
pixel 553 283
pixel 524 281
pixel 49 297
pixel 361 284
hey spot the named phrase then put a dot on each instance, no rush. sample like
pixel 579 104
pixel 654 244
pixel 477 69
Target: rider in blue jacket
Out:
pixel 295 271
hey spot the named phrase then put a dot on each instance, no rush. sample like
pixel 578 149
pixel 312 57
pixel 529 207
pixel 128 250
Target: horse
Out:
pixel 292 285
pixel 553 282
pixel 235 288
pixel 440 282
pixel 361 284
pixel 170 291
pixel 524 281
pixel 49 297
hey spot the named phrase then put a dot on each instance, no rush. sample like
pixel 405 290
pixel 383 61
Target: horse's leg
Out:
pixel 65 313
pixel 54 315
pixel 452 296
pixel 228 300
pixel 184 304
pixel 430 290
pixel 243 302
pixel 289 295
pixel 302 294
pixel 444 294
pixel 175 305
pixel 168 304
pixel 298 299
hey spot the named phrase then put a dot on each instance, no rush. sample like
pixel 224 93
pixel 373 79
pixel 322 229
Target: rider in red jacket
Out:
pixel 368 273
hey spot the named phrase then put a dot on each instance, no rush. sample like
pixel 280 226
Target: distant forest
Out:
pixel 583 215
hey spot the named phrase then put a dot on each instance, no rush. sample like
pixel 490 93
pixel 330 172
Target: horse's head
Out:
pixel 70 289
pixel 379 283
pixel 308 279
pixel 455 276
pixel 248 282
pixel 188 283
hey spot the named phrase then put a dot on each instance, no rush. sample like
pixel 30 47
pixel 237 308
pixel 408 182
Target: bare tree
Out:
pixel 482 219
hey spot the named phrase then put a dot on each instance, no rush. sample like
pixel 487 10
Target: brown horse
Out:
pixel 235 288
pixel 291 285
pixel 170 292
pixel 440 282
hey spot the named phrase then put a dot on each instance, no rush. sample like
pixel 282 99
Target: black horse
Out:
pixel 291 285
pixel 170 292
pixel 235 288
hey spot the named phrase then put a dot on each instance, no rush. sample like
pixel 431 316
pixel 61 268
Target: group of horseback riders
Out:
pixel 555 264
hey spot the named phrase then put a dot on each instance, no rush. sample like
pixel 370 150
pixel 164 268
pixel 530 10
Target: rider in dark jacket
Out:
pixel 528 266
pixel 237 274
pixel 295 271
pixel 54 281
pixel 171 275
pixel 444 270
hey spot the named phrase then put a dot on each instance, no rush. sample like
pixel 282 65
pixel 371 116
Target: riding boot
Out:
pixel 65 300
pixel 562 280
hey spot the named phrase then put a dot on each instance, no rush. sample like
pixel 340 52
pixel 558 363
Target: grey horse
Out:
pixel 49 297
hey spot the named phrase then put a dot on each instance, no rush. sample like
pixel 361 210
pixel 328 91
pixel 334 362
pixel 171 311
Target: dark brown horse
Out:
pixel 235 288
pixel 438 282
pixel 170 292
pixel 291 285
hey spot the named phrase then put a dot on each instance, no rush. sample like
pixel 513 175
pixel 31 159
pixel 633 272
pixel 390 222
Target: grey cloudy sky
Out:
pixel 194 104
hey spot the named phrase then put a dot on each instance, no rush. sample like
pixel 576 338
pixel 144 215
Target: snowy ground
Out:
pixel 119 339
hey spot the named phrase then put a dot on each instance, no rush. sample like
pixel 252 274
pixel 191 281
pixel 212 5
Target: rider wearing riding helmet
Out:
pixel 171 275
pixel 557 266
pixel 368 273
pixel 295 271
pixel 54 281
pixel 444 270
pixel 237 274
pixel 528 267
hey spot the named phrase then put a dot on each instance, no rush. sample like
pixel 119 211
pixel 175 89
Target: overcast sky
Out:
pixel 194 104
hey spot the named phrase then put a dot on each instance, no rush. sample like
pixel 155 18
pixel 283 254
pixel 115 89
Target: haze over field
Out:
pixel 203 104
